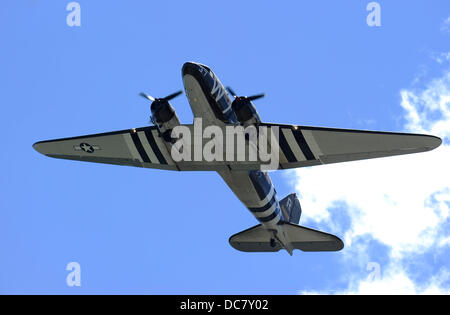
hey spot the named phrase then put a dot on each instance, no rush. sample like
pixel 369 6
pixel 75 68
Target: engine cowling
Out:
pixel 245 111
pixel 164 117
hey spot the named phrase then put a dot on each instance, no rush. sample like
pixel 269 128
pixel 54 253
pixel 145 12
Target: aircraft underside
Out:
pixel 170 145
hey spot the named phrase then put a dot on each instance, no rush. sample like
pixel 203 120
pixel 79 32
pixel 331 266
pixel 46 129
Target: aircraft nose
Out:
pixel 192 67
pixel 189 66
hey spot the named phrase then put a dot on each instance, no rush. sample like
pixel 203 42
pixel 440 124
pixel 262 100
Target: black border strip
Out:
pixel 303 145
pixel 152 142
pixel 270 217
pixel 261 185
pixel 139 147
pixel 284 145
pixel 264 208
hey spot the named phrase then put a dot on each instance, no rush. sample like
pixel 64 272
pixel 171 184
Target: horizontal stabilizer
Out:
pixel 258 239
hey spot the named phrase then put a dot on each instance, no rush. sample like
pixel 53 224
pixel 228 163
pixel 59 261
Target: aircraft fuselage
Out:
pixel 209 100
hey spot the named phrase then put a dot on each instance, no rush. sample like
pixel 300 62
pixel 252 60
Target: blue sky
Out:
pixel 149 231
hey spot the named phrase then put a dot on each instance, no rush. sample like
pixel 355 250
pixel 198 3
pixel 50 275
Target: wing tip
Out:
pixel 40 147
pixel 37 146
pixel 339 244
pixel 435 142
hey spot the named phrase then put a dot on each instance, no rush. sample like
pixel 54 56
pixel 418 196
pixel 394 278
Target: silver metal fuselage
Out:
pixel 209 101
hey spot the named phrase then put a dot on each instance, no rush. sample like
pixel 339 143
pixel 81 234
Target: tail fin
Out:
pixel 259 239
pixel 290 206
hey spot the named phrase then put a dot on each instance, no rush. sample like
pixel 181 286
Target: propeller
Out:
pixel 167 98
pixel 231 91
pixel 243 108
pixel 248 98
pixel 159 103
pixel 150 98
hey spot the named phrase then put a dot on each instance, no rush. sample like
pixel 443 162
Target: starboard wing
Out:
pixel 307 146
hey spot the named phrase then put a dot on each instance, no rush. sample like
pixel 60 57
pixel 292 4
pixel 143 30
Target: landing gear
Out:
pixel 272 242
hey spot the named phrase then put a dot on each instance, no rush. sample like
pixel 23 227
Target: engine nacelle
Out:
pixel 164 117
pixel 245 112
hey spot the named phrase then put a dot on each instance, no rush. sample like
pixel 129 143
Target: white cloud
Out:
pixel 445 27
pixel 396 281
pixel 429 110
pixel 386 198
pixel 441 57
pixel 401 202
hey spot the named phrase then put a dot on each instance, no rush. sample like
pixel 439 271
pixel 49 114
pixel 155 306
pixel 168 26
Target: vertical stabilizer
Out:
pixel 290 206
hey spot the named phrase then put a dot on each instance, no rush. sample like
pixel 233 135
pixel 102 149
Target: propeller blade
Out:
pixel 150 98
pixel 230 90
pixel 255 97
pixel 250 98
pixel 173 95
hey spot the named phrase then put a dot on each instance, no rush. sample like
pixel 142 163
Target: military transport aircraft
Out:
pixel 297 146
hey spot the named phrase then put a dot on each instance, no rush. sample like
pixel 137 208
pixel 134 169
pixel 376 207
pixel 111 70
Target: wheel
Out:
pixel 272 242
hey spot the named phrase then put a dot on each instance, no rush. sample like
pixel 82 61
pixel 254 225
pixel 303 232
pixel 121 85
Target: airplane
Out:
pixel 215 105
